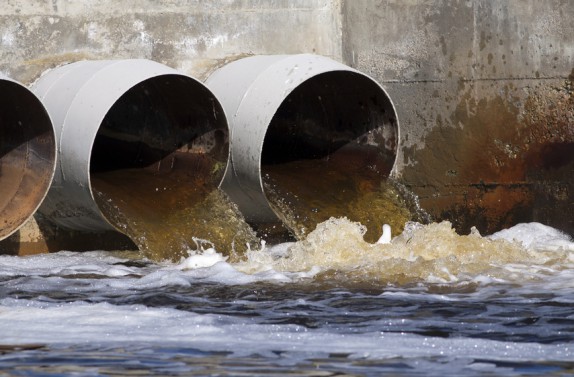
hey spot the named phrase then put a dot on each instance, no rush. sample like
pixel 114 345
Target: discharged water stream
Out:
pixel 156 163
pixel 166 214
pixel 305 193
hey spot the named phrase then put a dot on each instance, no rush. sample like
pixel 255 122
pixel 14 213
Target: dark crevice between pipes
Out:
pixel 40 235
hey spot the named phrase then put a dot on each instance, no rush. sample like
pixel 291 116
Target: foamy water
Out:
pixel 430 302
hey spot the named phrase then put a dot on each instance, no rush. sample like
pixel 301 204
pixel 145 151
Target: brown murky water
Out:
pixel 307 192
pixel 168 214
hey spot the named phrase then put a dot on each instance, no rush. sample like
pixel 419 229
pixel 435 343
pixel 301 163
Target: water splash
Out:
pixel 163 214
pixel 305 193
pixel 434 253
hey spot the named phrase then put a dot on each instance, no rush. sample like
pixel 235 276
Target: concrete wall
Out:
pixel 484 95
pixel 193 36
pixel 483 88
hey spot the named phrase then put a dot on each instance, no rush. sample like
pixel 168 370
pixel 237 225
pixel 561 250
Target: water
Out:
pixel 305 193
pixel 164 214
pixel 430 303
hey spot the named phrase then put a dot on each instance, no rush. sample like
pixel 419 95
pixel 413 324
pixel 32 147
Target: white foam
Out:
pixel 60 263
pixel 280 250
pixel 265 265
pixel 202 259
pixel 46 272
pixel 537 237
pixel 23 321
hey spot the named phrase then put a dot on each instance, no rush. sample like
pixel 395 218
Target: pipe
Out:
pixel 27 155
pixel 297 121
pixel 117 118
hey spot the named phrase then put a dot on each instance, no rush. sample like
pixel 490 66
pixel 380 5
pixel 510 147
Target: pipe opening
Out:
pixel 331 114
pixel 329 150
pixel 27 155
pixel 157 159
pixel 163 125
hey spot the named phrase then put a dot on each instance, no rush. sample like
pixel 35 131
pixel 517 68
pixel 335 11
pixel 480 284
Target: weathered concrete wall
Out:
pixel 483 91
pixel 193 36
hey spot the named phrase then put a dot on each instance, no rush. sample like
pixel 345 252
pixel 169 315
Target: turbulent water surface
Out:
pixel 429 303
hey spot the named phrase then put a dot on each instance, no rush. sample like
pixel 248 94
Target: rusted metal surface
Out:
pixel 27 155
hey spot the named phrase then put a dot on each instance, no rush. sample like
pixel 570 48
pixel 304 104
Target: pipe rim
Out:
pixel 47 139
pixel 125 75
pixel 247 169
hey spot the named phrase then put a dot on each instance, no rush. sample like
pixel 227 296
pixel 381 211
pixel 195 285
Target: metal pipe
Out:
pixel 306 108
pixel 124 116
pixel 27 155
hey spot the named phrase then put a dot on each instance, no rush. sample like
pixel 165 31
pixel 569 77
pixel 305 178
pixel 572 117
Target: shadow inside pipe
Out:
pixel 27 155
pixel 329 150
pixel 157 160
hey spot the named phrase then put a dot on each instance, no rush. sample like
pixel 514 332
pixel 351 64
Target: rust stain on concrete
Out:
pixel 500 161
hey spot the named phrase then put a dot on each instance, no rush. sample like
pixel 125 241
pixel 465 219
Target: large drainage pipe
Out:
pixel 27 155
pixel 311 138
pixel 136 139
